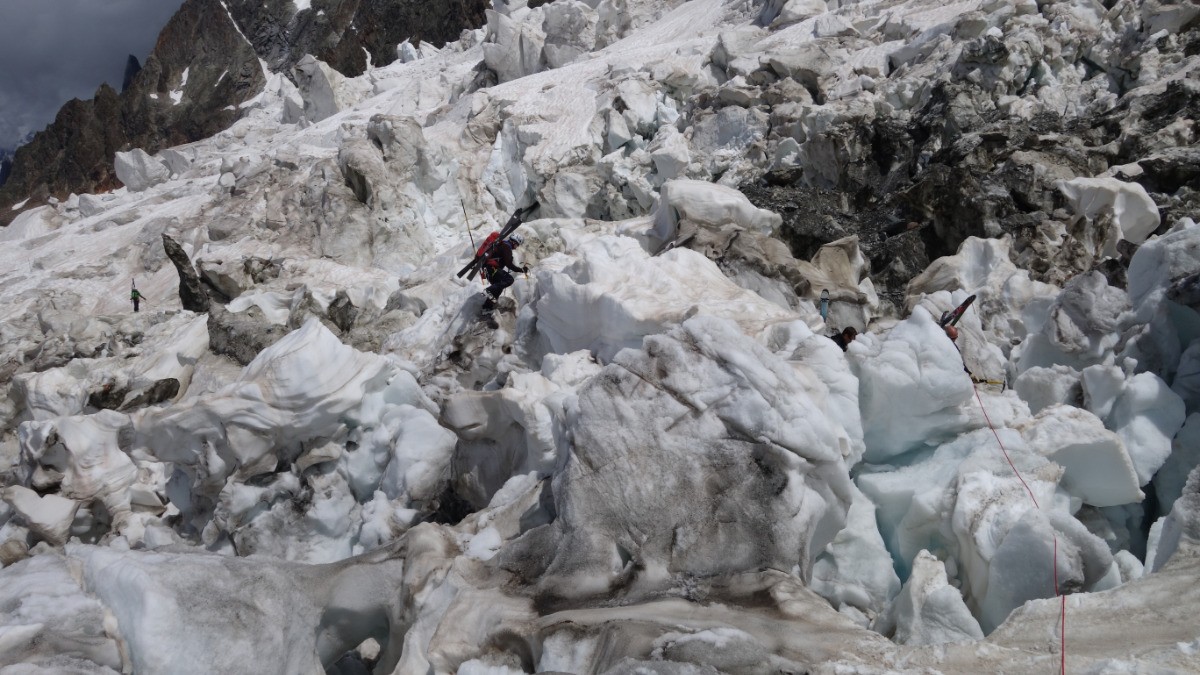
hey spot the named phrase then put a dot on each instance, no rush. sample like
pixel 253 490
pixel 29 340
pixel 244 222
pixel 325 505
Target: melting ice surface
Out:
pixel 658 462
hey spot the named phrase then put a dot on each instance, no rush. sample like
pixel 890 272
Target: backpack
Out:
pixel 486 248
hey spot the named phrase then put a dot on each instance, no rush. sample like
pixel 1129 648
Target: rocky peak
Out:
pixel 346 33
pixel 209 59
pixel 5 164
pixel 132 68
pixel 200 66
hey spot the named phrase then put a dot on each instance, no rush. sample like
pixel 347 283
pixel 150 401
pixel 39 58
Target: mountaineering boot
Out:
pixel 487 312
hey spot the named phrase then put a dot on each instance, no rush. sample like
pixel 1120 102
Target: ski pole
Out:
pixel 467 221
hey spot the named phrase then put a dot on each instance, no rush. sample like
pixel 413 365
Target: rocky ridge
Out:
pixel 5 164
pixel 210 58
pixel 657 460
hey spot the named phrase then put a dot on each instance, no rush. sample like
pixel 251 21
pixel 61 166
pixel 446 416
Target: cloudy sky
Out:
pixel 54 50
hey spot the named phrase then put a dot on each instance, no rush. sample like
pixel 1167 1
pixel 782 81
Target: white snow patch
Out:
pixel 384 451
pixel 177 94
pixel 1134 213
pixel 485 544
pixel 613 294
pixel 235 24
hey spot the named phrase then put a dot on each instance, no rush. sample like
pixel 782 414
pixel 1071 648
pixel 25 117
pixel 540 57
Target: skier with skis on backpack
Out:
pixel 135 296
pixel 496 264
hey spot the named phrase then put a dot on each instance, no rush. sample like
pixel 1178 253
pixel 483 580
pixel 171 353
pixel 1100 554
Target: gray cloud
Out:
pixel 54 50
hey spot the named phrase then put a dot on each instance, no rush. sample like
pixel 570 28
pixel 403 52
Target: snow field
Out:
pixel 650 462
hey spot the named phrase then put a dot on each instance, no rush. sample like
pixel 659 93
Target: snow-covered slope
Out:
pixel 657 462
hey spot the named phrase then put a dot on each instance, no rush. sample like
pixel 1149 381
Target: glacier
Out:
pixel 657 462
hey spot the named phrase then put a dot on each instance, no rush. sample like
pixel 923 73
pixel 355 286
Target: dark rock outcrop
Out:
pixel 345 33
pixel 241 336
pixel 914 185
pixel 109 397
pixel 898 248
pixel 162 390
pixel 191 291
pixel 132 68
pixel 75 153
pixel 342 312
pixel 914 188
pixel 76 150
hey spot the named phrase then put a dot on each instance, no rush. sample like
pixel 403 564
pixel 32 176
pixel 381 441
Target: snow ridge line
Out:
pixel 235 23
pixel 1062 622
pixel 266 71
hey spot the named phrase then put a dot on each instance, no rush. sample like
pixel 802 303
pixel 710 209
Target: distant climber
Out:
pixel 135 296
pixel 950 317
pixel 947 322
pixel 496 265
pixel 844 338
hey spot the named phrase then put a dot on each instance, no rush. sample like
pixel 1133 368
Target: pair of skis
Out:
pixel 951 317
pixel 472 268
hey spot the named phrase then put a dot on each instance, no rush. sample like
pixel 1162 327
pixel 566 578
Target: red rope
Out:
pixel 1004 450
pixel 1062 638
pixel 1062 622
